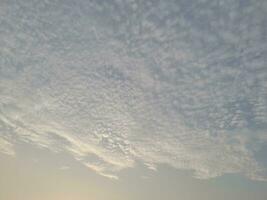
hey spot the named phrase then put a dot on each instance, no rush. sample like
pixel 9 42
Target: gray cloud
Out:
pixel 176 82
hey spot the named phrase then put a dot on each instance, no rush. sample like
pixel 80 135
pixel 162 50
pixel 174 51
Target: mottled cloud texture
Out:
pixel 177 82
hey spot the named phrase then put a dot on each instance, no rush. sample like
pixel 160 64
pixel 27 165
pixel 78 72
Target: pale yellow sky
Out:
pixel 38 174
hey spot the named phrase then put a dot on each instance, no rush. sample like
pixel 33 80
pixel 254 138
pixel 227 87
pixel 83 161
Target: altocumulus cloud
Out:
pixel 171 82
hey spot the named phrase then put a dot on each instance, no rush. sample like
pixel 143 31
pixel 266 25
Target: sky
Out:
pixel 133 99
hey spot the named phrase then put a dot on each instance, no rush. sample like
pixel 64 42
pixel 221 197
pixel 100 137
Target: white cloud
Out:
pixel 174 83
pixel 6 147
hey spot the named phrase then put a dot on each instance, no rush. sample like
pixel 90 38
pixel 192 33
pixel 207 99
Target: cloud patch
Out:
pixel 6 147
pixel 181 83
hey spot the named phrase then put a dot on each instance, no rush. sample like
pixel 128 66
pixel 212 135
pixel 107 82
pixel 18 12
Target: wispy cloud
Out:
pixel 176 82
pixel 6 147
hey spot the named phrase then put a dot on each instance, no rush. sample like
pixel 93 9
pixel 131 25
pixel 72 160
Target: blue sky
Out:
pixel 116 85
